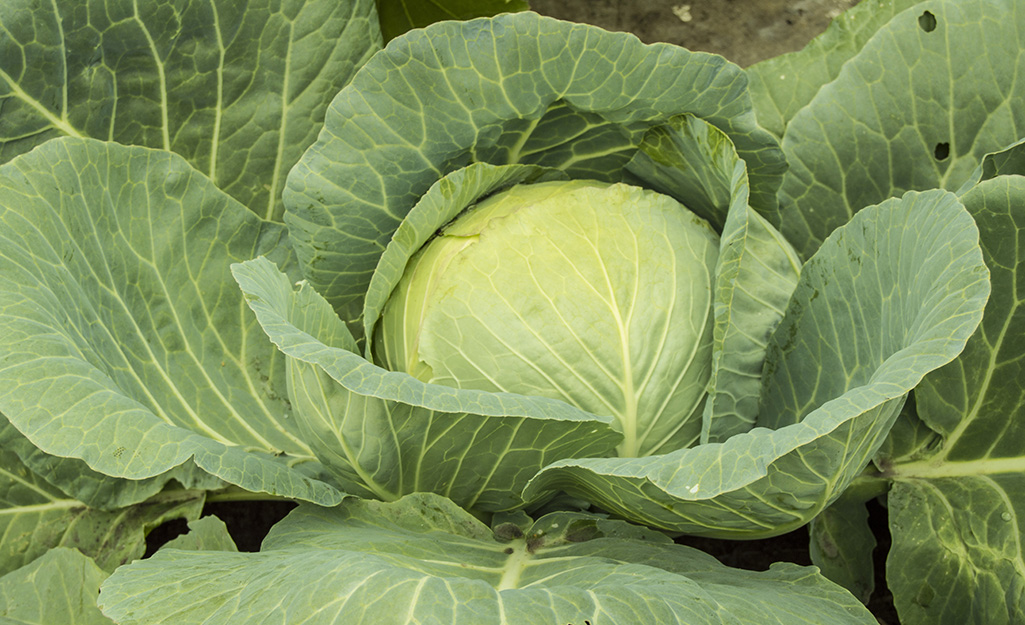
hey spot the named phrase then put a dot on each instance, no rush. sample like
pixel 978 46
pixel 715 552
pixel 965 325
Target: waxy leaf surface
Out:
pixel 424 560
pixel 125 341
pixel 957 507
pixel 237 88
pixel 911 111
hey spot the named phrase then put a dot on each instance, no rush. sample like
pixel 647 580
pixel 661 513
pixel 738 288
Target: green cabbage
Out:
pixel 596 294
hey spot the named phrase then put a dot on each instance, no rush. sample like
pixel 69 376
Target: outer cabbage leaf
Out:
pixel 424 560
pixel 784 84
pixel 385 434
pixel 756 271
pixel 513 89
pixel 889 297
pixel 1008 161
pixel 957 506
pixel 885 127
pixel 125 340
pixel 237 88
pixel 60 587
pixel 35 516
pixel 92 488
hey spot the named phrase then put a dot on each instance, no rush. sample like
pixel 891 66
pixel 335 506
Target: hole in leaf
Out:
pixel 927 21
pixel 942 151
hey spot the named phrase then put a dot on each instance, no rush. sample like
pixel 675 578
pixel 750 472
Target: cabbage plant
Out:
pixel 543 298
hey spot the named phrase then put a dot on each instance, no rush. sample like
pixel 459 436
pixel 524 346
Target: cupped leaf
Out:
pixel 424 560
pixel 59 587
pixel 35 516
pixel 783 85
pixel 513 89
pixel 385 434
pixel 884 127
pixel 125 340
pixel 399 16
pixel 956 509
pixel 889 297
pixel 237 88
pixel 756 271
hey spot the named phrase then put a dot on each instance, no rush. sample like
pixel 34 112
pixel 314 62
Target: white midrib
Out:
pixel 215 140
pixel 272 195
pixel 629 447
pixel 59 504
pixel 628 417
pixel 931 469
pixel 60 123
pixel 514 566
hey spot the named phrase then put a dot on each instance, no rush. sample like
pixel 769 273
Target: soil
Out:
pixel 743 31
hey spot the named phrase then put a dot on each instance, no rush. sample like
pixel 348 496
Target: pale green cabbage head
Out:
pixel 596 294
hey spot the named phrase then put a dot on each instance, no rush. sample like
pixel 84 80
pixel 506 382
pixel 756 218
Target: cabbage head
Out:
pixel 596 294
pixel 548 259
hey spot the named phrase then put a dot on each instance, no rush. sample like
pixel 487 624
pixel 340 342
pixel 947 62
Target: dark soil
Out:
pixel 744 31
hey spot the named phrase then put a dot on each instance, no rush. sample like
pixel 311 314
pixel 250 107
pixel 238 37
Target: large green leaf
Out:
pixel 237 88
pixel 518 88
pixel 94 489
pixel 385 434
pixel 784 84
pixel 696 163
pixel 956 556
pixel 888 298
pixel 125 340
pixel 930 94
pixel 60 587
pixel 399 16
pixel 35 516
pixel 957 508
pixel 424 560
